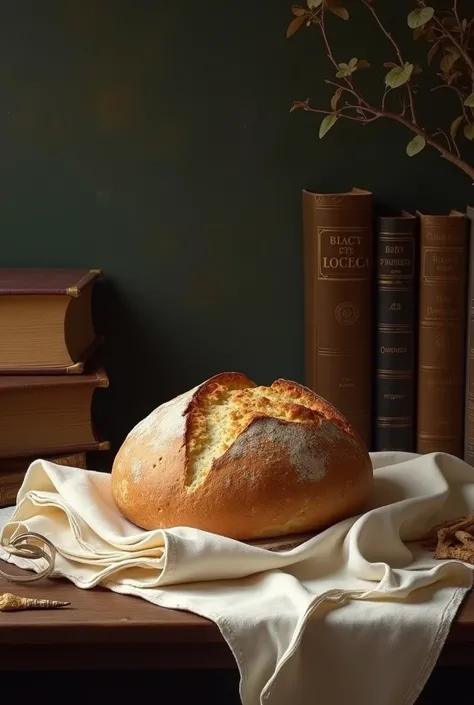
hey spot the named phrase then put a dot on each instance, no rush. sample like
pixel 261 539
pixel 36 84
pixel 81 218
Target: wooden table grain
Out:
pixel 102 630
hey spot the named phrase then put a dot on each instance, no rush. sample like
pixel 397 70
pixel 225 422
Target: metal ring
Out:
pixel 20 546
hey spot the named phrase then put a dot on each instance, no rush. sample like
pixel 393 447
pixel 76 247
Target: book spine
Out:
pixel 442 327
pixel 394 398
pixel 338 242
pixel 469 387
pixel 75 460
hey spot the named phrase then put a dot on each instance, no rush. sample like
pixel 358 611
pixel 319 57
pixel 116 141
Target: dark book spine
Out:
pixel 394 397
pixel 469 388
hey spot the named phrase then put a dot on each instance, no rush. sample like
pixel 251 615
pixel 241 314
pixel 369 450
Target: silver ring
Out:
pixel 20 546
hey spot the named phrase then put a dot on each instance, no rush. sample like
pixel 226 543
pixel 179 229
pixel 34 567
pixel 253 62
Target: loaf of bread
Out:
pixel 243 461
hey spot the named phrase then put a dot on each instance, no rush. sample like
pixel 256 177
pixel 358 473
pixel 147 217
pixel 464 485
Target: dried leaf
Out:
pixel 469 131
pixel 399 75
pixel 390 65
pixel 455 126
pixel 313 4
pixel 363 64
pixel 416 145
pixel 432 52
pixel 454 77
pixel 469 101
pixel 299 11
pixel 420 16
pixel 294 26
pixel 335 98
pixel 417 69
pixel 339 11
pixel 326 124
pixel 448 61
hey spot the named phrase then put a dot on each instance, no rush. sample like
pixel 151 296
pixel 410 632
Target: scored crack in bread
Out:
pixel 242 460
pixel 225 413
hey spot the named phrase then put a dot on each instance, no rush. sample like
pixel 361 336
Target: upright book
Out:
pixel 46 320
pixel 48 414
pixel 469 387
pixel 338 241
pixel 441 337
pixel 396 333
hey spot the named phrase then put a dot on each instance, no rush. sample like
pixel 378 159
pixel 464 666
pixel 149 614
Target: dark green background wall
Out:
pixel 153 139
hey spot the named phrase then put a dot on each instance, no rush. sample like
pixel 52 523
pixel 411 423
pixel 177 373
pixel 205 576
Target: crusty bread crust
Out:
pixel 243 461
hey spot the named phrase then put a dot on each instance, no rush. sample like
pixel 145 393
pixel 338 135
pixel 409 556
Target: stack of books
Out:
pixel 47 373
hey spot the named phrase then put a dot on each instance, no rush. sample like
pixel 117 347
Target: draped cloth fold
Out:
pixel 357 614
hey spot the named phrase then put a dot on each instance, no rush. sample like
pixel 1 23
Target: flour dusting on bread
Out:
pixel 164 424
pixel 242 460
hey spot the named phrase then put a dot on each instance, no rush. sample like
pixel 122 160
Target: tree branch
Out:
pixel 340 112
pixel 385 114
pixel 446 33
pixel 455 12
pixel 364 113
pixel 392 41
pixel 348 81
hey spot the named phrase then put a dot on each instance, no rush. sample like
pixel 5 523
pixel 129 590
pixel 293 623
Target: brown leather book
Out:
pixel 13 470
pixel 396 333
pixel 469 386
pixel 48 414
pixel 338 242
pixel 441 333
pixel 46 320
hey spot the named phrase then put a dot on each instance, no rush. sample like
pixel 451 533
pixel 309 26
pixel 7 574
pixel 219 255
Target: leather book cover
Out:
pixel 49 415
pixel 441 333
pixel 338 255
pixel 98 378
pixel 469 386
pixel 65 282
pixel 396 333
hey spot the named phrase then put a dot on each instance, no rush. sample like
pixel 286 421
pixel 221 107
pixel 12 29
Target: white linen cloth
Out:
pixel 354 615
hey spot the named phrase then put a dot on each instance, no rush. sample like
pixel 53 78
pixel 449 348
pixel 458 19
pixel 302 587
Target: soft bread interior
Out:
pixel 224 413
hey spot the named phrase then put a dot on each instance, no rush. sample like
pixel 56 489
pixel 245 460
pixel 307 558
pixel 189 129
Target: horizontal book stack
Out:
pixel 389 321
pixel 47 371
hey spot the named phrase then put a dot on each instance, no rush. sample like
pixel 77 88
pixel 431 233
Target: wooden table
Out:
pixel 102 630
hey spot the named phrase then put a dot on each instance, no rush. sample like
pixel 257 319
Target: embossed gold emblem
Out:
pixel 346 313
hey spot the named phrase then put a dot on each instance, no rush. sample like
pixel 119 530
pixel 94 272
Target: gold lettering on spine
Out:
pixel 343 253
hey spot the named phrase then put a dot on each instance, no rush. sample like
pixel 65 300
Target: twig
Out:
pixel 439 131
pixel 458 93
pixel 397 51
pixel 338 112
pixel 347 79
pixel 365 112
pixel 445 153
pixel 455 12
pixel 446 33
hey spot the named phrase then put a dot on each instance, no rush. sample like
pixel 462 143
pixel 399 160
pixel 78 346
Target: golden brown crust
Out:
pixel 243 461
